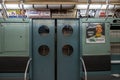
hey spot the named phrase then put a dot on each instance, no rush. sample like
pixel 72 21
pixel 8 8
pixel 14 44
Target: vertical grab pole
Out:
pixel 4 14
pixel 114 11
pixel 88 6
pixel 22 5
pixel 106 10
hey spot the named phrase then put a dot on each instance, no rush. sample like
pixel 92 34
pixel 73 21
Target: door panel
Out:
pixel 67 49
pixel 43 49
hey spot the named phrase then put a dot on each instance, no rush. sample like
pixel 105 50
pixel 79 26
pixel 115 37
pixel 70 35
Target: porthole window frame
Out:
pixel 68 34
pixel 68 54
pixel 43 33
pixel 44 54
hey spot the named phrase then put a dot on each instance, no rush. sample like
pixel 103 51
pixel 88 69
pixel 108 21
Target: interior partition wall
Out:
pixel 55 49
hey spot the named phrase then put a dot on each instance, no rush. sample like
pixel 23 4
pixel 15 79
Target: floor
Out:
pixel 89 78
pixel 102 78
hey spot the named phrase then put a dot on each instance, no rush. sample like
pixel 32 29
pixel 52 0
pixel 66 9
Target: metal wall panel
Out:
pixel 68 64
pixel 14 39
pixel 0 38
pixel 98 47
pixel 15 35
pixel 43 49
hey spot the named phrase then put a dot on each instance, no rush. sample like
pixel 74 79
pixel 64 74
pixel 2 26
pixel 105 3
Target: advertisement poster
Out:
pixel 16 13
pixel 39 14
pixel 95 33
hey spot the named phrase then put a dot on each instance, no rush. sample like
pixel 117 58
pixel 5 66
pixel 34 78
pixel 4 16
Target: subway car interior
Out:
pixel 59 39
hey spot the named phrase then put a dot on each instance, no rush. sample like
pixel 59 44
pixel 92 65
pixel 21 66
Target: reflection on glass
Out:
pixel 43 50
pixel 43 30
pixel 67 50
pixel 67 30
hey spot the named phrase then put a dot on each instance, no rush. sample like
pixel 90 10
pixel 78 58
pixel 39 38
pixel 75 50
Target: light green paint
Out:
pixel 14 38
pixel 95 48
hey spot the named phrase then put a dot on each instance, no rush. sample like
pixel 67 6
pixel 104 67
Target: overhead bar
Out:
pixel 58 2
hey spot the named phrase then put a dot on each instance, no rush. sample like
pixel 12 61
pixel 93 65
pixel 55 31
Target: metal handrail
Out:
pixel 84 67
pixel 26 69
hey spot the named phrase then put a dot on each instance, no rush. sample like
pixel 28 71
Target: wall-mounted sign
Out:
pixel 39 14
pixel 102 14
pixel 95 33
pixel 16 13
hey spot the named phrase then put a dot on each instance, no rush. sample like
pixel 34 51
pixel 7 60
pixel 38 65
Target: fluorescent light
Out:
pixel 103 6
pixel 0 7
pixel 81 6
pixel 94 6
pixel 12 6
pixel 28 6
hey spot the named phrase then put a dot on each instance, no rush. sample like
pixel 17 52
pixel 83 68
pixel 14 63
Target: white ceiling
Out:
pixel 94 1
pixel 83 4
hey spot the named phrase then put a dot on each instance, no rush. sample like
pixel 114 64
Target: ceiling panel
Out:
pixel 55 1
pixel 51 0
pixel 12 0
pixel 99 1
pixel 116 1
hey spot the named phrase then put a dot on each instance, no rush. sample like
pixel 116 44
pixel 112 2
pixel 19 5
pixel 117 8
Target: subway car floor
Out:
pixel 89 78
pixel 103 78
pixel 11 78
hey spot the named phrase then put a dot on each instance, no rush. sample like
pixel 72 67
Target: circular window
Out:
pixel 43 50
pixel 67 50
pixel 43 30
pixel 67 30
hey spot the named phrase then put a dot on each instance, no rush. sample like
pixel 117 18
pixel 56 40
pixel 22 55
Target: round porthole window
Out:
pixel 43 50
pixel 43 30
pixel 67 30
pixel 67 50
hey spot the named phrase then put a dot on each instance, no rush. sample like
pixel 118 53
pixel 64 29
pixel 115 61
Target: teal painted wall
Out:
pixel 0 38
pixel 95 48
pixel 14 38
